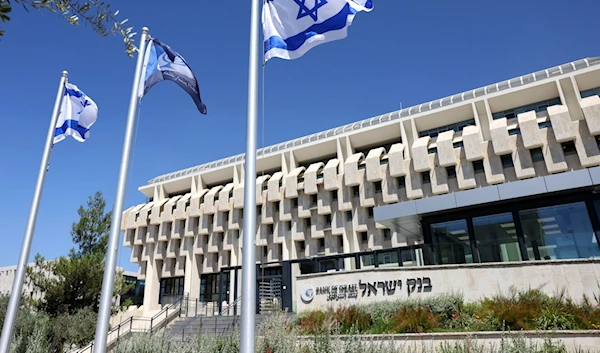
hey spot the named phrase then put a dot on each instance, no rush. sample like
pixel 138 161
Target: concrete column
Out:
pixel 192 275
pixel 152 287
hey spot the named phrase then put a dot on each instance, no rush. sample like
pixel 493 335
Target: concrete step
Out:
pixel 220 325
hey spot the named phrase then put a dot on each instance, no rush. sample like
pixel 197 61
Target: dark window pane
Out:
pixel 559 232
pixel 451 242
pixel 496 238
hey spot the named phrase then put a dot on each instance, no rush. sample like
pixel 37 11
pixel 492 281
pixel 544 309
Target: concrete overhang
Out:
pixel 405 217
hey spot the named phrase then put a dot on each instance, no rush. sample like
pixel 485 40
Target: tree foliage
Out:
pixel 74 282
pixel 93 12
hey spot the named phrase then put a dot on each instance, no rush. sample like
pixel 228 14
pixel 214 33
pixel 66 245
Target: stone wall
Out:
pixel 474 281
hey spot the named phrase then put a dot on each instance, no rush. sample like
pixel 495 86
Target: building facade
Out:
pixel 504 174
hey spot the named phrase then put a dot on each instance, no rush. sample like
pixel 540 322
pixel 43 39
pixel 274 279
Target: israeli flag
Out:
pixel 78 113
pixel 293 27
pixel 162 63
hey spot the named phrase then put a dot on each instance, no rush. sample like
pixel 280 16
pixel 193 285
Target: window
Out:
pixel 457 127
pixel 301 245
pixel 457 144
pixel 209 287
pixel 507 160
pixel 425 177
pixel 451 242
pixel 348 216
pixel 590 92
pixel 377 185
pixel 496 238
pixel 387 234
pixel 322 245
pixel 355 191
pixel 364 236
pixel 451 171
pixel 559 232
pixel 545 124
pixel 308 223
pixel 313 200
pixel 541 106
pixel 269 229
pixel 537 154
pixel 568 148
pixel 170 289
pixel 387 259
pixel 478 166
pixel 367 260
pixel 432 150
pixel 401 182
pixel 328 220
pixel 334 195
pixel 370 211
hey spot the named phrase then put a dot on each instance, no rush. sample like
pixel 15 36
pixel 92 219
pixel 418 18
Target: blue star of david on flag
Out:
pixel 162 63
pixel 293 27
pixel 305 11
pixel 78 113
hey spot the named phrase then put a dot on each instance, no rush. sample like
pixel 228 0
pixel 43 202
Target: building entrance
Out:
pixel 269 285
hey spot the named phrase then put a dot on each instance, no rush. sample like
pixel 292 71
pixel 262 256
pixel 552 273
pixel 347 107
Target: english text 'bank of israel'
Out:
pixel 473 193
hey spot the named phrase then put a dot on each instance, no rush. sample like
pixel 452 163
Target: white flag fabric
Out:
pixel 78 113
pixel 293 27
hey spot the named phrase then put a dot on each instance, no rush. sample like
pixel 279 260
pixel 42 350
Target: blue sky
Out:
pixel 409 52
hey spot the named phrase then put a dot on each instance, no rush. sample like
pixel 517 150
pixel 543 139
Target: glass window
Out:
pixel 388 259
pixel 367 261
pixel 590 92
pixel 451 242
pixel 559 232
pixel 496 238
pixel 170 289
pixel 408 257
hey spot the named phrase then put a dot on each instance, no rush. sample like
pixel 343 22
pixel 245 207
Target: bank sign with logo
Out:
pixel 352 287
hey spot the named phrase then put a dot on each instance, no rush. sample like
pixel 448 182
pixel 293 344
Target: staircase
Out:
pixel 186 329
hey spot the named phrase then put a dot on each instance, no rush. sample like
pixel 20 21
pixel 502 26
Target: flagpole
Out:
pixel 115 229
pixel 17 287
pixel 249 251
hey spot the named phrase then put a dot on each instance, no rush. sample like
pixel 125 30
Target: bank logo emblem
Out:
pixel 307 294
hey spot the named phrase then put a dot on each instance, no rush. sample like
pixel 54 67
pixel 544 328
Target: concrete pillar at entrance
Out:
pixel 191 284
pixel 152 287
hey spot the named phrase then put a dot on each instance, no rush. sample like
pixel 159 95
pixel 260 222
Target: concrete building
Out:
pixel 484 189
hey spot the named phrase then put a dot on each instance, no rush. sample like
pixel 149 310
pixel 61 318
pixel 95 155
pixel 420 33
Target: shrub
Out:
pixel 352 318
pixel 277 335
pixel 417 319
pixel 313 322
pixel 518 311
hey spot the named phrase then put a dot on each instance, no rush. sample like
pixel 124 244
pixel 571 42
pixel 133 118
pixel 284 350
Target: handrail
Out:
pixel 235 302
pixel 182 328
pixel 129 321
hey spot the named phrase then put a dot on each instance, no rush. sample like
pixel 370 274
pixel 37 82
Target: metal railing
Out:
pixel 138 324
pixel 234 305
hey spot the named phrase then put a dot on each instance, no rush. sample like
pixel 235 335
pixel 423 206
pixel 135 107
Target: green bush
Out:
pixel 519 310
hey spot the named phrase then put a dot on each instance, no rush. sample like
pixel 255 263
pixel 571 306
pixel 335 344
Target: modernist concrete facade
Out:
pixel 503 174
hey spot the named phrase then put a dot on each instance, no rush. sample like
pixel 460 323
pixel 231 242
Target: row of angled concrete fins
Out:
pixel 337 199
